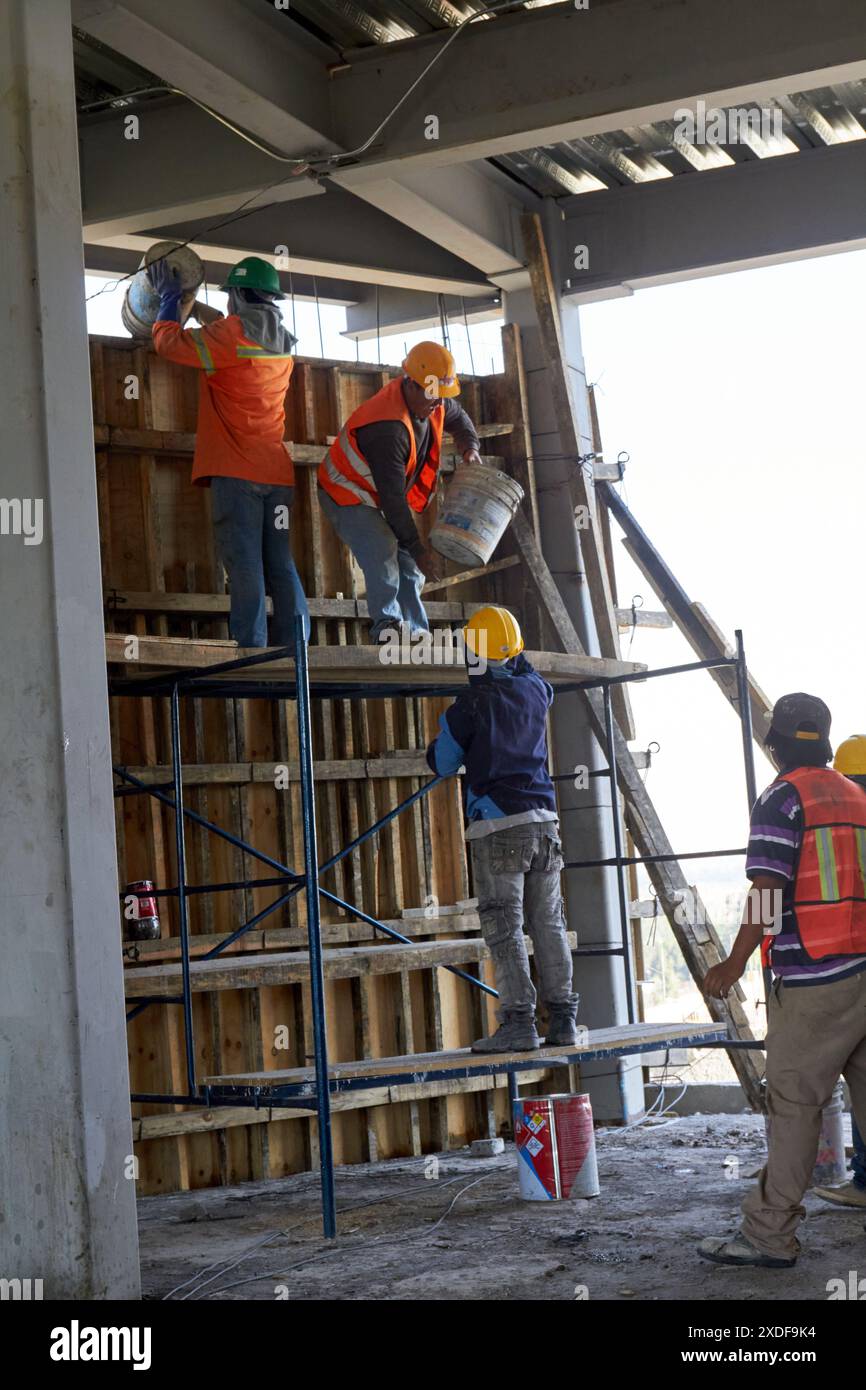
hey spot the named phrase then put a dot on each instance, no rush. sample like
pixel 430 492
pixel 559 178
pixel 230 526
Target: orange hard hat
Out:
pixel 431 365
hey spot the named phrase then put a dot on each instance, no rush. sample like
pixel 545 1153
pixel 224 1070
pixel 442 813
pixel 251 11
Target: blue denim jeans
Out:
pixel 253 543
pixel 858 1163
pixel 394 581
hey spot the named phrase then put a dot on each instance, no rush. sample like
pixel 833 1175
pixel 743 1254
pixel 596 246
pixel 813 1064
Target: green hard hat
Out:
pixel 252 273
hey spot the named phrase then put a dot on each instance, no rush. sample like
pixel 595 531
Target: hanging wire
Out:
pixel 468 335
pixel 443 322
pixel 292 294
pixel 378 338
pixel 318 317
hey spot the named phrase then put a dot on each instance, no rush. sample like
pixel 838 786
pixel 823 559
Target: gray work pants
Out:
pixel 516 874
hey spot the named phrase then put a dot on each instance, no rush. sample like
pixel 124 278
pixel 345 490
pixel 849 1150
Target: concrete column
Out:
pixel 587 823
pixel 66 1191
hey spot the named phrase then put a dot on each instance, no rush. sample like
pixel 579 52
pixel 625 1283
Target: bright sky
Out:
pixel 739 399
pixel 316 332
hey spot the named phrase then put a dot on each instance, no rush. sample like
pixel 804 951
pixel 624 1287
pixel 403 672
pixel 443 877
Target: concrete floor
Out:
pixel 664 1187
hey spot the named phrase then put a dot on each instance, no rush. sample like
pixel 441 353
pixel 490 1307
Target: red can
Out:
pixel 555 1143
pixel 141 919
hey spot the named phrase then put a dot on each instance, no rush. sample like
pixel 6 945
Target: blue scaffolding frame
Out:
pixel 317 1093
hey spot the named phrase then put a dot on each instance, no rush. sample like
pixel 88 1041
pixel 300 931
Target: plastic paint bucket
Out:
pixel 141 301
pixel 555 1143
pixel 830 1165
pixel 479 505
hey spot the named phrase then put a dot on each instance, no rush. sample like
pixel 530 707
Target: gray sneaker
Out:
pixel 516 1033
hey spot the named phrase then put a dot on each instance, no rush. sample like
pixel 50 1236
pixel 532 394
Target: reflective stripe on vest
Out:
pixel 345 474
pixel 201 347
pixel 829 894
pixel 363 489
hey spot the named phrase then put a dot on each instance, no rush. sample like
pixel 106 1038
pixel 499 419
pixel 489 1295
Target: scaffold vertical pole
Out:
pixel 618 847
pixel 314 932
pixel 180 846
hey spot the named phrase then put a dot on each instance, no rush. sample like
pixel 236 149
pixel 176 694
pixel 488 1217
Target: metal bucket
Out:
pixel 478 507
pixel 141 301
pixel 555 1142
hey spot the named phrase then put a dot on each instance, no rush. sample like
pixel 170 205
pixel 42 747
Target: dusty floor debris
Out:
pixel 454 1227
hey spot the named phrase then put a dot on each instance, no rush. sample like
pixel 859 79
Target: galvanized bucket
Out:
pixel 141 301
pixel 479 506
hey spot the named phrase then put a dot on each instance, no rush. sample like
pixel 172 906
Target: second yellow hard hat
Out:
pixel 493 633
pixel 851 756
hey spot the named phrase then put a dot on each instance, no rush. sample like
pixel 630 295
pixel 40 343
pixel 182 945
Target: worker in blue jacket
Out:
pixel 497 730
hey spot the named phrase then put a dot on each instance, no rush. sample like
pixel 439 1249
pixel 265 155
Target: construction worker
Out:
pixel 497 729
pixel 850 760
pixel 246 361
pixel 381 469
pixel 806 860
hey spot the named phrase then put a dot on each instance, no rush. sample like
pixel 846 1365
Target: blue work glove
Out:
pixel 165 279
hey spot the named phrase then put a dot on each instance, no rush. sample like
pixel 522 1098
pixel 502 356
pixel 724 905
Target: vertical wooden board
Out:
pixel 349 1127
pixel 279 1025
pixel 241 1048
pixel 392 1125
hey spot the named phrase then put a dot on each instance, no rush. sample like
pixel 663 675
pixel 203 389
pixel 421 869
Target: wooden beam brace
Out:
pixel 582 494
pixel 641 617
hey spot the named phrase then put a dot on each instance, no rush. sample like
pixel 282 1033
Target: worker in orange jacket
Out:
pixel 245 360
pixel 381 472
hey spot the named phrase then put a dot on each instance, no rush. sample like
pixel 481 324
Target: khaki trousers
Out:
pixel 814 1034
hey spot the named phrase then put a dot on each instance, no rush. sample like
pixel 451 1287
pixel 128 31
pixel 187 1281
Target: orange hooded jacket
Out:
pixel 241 411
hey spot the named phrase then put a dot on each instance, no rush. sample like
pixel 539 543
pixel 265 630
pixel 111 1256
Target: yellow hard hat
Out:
pixel 493 634
pixel 432 366
pixel 851 756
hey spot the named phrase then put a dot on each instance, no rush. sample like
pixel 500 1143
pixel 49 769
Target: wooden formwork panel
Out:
pixel 156 537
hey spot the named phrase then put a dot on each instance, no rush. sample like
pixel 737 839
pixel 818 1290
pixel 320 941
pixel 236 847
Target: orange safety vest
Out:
pixel 829 893
pixel 344 473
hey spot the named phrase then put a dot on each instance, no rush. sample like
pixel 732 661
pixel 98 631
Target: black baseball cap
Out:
pixel 802 717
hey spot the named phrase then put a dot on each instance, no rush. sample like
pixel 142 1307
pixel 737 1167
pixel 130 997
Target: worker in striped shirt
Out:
pixel 807 863
pixel 850 760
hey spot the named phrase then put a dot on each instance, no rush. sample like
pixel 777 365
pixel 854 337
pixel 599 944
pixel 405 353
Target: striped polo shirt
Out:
pixel 775 837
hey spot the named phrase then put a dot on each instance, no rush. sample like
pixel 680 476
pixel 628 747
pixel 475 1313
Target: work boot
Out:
pixel 516 1033
pixel 849 1194
pixel 562 1028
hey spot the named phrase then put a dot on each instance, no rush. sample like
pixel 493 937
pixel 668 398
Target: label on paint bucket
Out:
pixel 555 1143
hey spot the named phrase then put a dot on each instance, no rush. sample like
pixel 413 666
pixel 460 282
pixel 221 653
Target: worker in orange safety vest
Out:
pixel 381 472
pixel 807 863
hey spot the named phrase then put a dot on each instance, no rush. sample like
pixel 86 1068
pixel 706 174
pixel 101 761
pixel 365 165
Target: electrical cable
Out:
pixel 311 164
pixel 333 1249
pixel 223 1268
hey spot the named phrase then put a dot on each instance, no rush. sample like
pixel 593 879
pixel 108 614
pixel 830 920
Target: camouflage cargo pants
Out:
pixel 517 880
